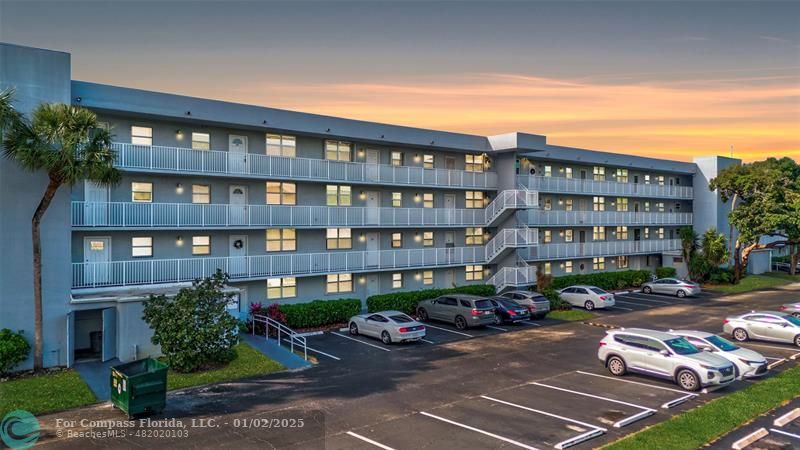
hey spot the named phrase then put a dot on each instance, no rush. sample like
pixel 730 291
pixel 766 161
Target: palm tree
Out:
pixel 66 142
pixel 688 243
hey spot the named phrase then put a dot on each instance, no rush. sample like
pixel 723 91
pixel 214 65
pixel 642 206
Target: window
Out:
pixel 427 238
pixel 474 199
pixel 397 199
pixel 567 235
pixel 474 236
pixel 474 273
pixel 427 161
pixel 568 204
pixel 622 204
pixel 660 179
pixel 647 179
pixel 599 173
pixel 141 247
pixel 548 236
pixel 548 268
pixel 599 263
pixel 201 245
pixel 397 159
pixel 339 195
pixel 568 172
pixel 598 203
pixel 473 163
pixel 141 192
pixel 141 135
pixel 660 233
pixel 339 238
pixel 660 206
pixel 647 233
pixel 341 282
pixel 548 171
pixel 397 280
pixel 646 206
pixel 281 287
pixel 622 175
pixel 548 204
pixel 281 240
pixel 397 240
pixel 338 151
pixel 427 277
pixel 281 193
pixel 201 141
pixel 201 193
pixel 599 233
pixel 568 266
pixel 622 262
pixel 281 145
pixel 622 232
pixel 427 200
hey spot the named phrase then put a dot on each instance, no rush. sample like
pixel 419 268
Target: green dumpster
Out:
pixel 139 387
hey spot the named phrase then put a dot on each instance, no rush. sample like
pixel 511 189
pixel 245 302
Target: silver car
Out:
pixel 388 326
pixel 589 297
pixel 748 364
pixel 462 310
pixel 764 325
pixel 791 308
pixel 663 355
pixel 538 305
pixel 672 286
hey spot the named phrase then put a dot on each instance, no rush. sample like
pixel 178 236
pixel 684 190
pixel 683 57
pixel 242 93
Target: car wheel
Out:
pixel 680 293
pixel 422 315
pixel 616 366
pixel 386 338
pixel 740 334
pixel 498 320
pixel 461 323
pixel 354 329
pixel 797 314
pixel 797 340
pixel 688 380
pixel 647 290
pixel 589 305
pixel 540 316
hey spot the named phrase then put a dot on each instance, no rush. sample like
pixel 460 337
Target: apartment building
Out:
pixel 296 207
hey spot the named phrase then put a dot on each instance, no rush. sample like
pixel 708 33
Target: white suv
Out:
pixel 665 356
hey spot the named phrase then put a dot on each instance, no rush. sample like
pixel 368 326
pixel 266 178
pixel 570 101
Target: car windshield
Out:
pixel 681 346
pixel 722 343
pixel 793 320
pixel 401 318
pixel 507 303
pixel 598 291
pixel 483 304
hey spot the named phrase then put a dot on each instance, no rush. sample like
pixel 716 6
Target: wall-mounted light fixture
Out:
pixel 561 233
pixel 416 158
pixel 361 153
pixel 179 135
pixel 417 276
pixel 561 169
pixel 362 196
pixel 179 241
pixel 560 202
pixel 362 279
pixel 561 265
pixel 417 237
pixel 417 198
pixel 362 238
pixel 188 113
pixel 179 188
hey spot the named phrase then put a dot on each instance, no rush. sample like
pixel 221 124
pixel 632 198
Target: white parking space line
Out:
pixel 528 322
pixel 314 350
pixel 795 356
pixel 774 359
pixel 776 363
pixel 619 307
pixel 775 347
pixel 633 303
pixel 618 424
pixel 360 341
pixel 632 382
pixel 449 331
pixel 661 296
pixel 630 297
pixel 477 430
pixel 429 342
pixel 785 433
pixel 496 328
pixel 369 441
pixel 678 401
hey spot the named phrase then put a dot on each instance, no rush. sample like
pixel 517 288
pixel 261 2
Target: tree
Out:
pixel 688 243
pixel 714 247
pixel 194 329
pixel 66 142
pixel 764 197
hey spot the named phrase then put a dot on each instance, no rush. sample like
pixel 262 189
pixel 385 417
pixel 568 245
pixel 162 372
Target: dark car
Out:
pixel 506 310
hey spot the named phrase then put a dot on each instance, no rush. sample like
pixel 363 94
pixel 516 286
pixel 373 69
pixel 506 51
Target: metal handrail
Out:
pixel 281 328
pixel 603 187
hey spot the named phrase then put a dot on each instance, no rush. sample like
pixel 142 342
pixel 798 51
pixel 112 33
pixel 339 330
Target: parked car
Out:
pixel 764 325
pixel 538 305
pixel 589 297
pixel 388 326
pixel 671 286
pixel 746 362
pixel 506 310
pixel 462 310
pixel 791 308
pixel 663 355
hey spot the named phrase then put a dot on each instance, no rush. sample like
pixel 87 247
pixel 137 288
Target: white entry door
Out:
pixel 238 205
pixel 97 254
pixel 237 153
pixel 449 279
pixel 373 208
pixel 109 350
pixel 238 256
pixel 373 284
pixel 450 208
pixel 373 249
pixel 373 167
pixel 95 208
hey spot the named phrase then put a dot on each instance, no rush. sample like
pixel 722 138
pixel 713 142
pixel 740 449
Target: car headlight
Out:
pixel 709 367
pixel 753 363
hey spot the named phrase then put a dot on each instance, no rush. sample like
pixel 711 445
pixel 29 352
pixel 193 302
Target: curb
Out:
pixel 601 325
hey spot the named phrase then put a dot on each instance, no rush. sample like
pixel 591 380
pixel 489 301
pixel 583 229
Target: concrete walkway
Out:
pixel 272 350
pixel 96 375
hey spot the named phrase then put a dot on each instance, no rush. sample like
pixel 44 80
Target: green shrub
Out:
pixel 556 303
pixel 13 349
pixel 319 313
pixel 721 275
pixel 605 280
pixel 407 301
pixel 666 272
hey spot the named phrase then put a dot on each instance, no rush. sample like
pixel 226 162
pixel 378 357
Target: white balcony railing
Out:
pixel 510 238
pixel 543 218
pixel 515 276
pixel 158 271
pixel 511 199
pixel 186 160
pixel 603 248
pixel 564 185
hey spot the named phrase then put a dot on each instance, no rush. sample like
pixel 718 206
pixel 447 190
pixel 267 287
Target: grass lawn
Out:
pixel 716 418
pixel 755 282
pixel 250 363
pixel 570 315
pixel 45 393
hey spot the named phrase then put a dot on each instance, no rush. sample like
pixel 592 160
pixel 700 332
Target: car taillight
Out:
pixel 783 307
pixel 475 312
pixel 689 286
pixel 602 343
pixel 604 298
pixel 404 330
pixel 531 308
pixel 511 312
pixel 725 321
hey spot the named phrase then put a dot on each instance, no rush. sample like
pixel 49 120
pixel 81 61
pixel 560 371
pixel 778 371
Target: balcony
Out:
pixel 562 185
pixel 159 271
pixel 542 218
pixel 517 276
pixel 574 250
pixel 212 162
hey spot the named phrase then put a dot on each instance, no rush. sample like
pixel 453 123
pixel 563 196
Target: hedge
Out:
pixel 666 272
pixel 605 280
pixel 407 301
pixel 320 312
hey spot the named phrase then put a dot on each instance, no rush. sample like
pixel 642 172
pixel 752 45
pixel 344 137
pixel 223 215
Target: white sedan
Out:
pixel 388 326
pixel 748 364
pixel 589 297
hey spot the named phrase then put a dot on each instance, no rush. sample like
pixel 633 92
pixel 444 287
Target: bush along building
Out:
pixel 297 207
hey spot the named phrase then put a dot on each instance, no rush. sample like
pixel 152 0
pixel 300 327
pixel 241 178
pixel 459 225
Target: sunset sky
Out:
pixel 664 79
